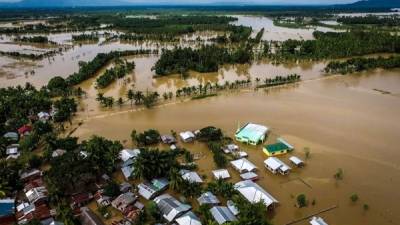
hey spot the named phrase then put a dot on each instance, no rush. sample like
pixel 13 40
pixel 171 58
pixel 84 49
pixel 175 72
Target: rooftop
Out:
pixel 252 132
pixel 254 193
pixel 222 214
pixel 7 207
pixel 243 165
pixel 188 218
pixel 208 198
pixel 170 207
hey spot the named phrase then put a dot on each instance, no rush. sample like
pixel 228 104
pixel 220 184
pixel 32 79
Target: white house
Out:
pixel 221 174
pixel 187 136
pixel 317 221
pixel 254 193
pixel 275 165
pixel 171 208
pixel 191 176
pixel 188 218
pixel 296 161
pixel 127 154
pixel 243 165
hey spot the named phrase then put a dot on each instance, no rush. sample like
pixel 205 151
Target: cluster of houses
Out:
pixel 13 151
pixel 31 205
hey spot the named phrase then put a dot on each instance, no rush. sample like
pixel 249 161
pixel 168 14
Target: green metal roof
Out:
pixel 277 147
pixel 253 132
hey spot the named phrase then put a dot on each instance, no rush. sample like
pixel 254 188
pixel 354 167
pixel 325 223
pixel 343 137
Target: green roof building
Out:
pixel 251 133
pixel 279 148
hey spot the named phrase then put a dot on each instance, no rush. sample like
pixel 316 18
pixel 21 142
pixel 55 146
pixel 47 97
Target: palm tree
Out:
pixel 175 179
pixel 120 102
pixel 131 95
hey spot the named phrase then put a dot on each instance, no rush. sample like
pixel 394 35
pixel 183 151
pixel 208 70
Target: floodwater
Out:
pixel 347 122
pixel 277 33
pixel 342 120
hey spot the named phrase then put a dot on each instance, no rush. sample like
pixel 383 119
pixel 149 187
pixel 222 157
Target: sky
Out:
pixel 281 2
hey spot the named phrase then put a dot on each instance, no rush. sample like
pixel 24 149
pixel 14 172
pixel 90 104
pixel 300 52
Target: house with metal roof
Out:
pixel 13 136
pixel 232 207
pixel 123 201
pixel 188 218
pixel 191 176
pixel 243 165
pixel 249 176
pixel 187 136
pixel 254 193
pixel 127 154
pixel 222 214
pixel 88 217
pixel 149 190
pixel 37 195
pixel 296 161
pixel 317 221
pixel 279 148
pixel 275 165
pixel 170 207
pixel 208 198
pixel 251 133
pixel 221 174
pixel 168 139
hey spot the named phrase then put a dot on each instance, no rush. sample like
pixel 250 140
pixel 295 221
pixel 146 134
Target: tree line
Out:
pixel 119 71
pixel 390 21
pixel 204 59
pixel 362 64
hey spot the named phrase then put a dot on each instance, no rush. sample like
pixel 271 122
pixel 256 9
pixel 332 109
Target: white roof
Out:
pixel 126 154
pixel 317 221
pixel 191 176
pixel 170 207
pixel 43 115
pixel 254 193
pixel 208 198
pixel 22 206
pixel 221 174
pixel 274 163
pixel 296 160
pixel 222 214
pixel 243 165
pixel 232 207
pixel 187 135
pixel 12 150
pixel 248 176
pixel 188 218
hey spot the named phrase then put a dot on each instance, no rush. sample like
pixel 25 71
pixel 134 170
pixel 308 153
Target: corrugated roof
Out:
pixel 208 198
pixel 254 193
pixel 222 214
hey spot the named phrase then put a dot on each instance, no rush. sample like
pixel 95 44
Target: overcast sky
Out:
pixel 323 2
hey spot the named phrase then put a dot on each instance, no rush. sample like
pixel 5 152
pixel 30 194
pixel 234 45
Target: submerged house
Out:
pixel 251 133
pixel 170 207
pixel 254 193
pixel 191 176
pixel 208 198
pixel 221 174
pixel 149 190
pixel 168 139
pixel 127 154
pixel 222 214
pixel 279 148
pixel 317 221
pixel 243 165
pixel 188 218
pixel 13 136
pixel 296 161
pixel 187 136
pixel 276 166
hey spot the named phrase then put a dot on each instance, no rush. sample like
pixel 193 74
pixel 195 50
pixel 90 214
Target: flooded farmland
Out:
pixel 347 122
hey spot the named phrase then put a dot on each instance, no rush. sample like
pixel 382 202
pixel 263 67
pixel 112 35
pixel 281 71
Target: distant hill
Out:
pixel 376 4
pixel 64 3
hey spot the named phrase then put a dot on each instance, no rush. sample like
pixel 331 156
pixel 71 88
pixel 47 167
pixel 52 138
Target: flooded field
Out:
pixel 277 33
pixel 347 122
pixel 344 122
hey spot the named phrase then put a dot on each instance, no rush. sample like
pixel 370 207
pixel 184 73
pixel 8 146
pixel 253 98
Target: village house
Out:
pixel 37 195
pixel 12 151
pixel 243 165
pixel 58 152
pixel 155 187
pixel 252 134
pixel 276 166
pixel 88 217
pixel 296 161
pixel 317 221
pixel 101 199
pixel 221 174
pixel 254 193
pixel 12 136
pixel 171 208
pixel 191 176
pixel 127 154
pixel 123 201
pixel 279 148
pixel 30 175
pixel 125 187
pixel 187 136
pixel 43 116
pixel 249 176
pixel 31 212
pixel 232 207
pixel 80 200
pixel 222 214
pixel 208 198
pixel 168 139
pixel 188 218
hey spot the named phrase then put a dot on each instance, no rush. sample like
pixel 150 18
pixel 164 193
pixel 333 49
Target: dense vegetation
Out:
pixel 338 45
pixel 361 64
pixel 89 69
pixel 370 20
pixel 34 39
pixel 85 37
pixel 205 59
pixel 119 71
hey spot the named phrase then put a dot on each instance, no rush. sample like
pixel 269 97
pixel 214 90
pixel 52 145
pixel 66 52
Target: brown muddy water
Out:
pixel 348 122
pixel 343 120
